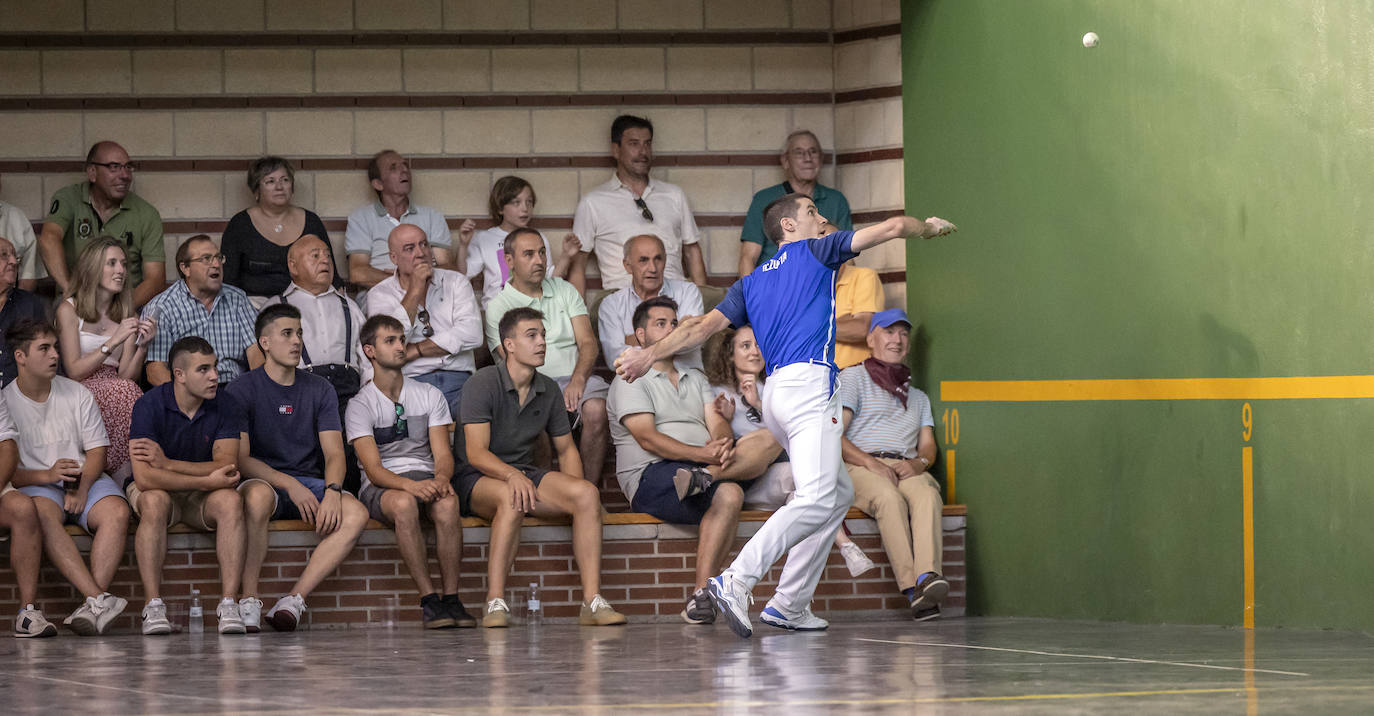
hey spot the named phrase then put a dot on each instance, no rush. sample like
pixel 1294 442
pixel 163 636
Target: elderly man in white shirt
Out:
pixel 330 321
pixel 633 203
pixel 644 260
pixel 439 312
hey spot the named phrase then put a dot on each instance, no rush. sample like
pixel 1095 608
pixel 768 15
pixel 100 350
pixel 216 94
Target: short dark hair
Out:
pixel 783 207
pixel 25 331
pixel 189 345
pixel 368 334
pixel 641 317
pixel 183 255
pixel 504 192
pixel 513 317
pixel 374 168
pixel 629 121
pixel 509 245
pixel 262 166
pixel 272 312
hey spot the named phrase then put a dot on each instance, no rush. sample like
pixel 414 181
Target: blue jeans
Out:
pixel 450 383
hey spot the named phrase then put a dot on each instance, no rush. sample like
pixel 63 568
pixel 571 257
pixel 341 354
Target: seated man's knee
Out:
pixel 154 506
pixel 594 413
pixel 225 504
pixel 400 506
pixel 355 515
pixel 586 497
pixel 17 511
pixel 728 495
pixel 446 511
pixel 113 513
pixel 259 500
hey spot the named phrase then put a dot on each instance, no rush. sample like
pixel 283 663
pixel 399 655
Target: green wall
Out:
pixel 1190 199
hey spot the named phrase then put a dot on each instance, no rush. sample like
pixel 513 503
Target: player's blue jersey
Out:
pixel 789 301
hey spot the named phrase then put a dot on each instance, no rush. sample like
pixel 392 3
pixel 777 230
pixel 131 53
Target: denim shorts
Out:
pixel 100 489
pixel 286 509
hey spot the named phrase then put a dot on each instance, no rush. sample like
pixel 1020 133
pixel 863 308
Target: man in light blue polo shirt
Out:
pixel 801 165
pixel 365 239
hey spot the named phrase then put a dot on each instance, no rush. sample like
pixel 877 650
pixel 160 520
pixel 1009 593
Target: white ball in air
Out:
pixel 1090 40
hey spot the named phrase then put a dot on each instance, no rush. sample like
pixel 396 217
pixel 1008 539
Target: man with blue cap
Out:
pixel 889 446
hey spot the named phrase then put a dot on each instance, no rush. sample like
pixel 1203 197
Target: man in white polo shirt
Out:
pixel 634 203
pixel 645 259
pixel 365 239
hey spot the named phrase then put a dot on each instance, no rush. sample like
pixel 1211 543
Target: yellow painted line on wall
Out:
pixel 950 499
pixel 1278 388
pixel 1247 476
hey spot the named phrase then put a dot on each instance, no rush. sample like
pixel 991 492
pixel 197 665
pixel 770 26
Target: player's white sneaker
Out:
pixel 732 600
pixel 806 621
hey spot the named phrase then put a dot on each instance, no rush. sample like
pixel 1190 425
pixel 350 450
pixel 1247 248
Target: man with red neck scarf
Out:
pixel 889 446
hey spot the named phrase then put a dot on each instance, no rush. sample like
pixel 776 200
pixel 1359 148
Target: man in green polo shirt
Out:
pixel 102 205
pixel 801 166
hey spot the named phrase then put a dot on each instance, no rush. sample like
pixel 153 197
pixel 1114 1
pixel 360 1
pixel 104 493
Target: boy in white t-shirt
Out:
pixel 18 516
pixel 61 458
pixel 511 204
pixel 399 428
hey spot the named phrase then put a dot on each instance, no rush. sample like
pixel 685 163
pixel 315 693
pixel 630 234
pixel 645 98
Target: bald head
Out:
pixel 409 247
pixel 111 185
pixel 645 258
pixel 309 262
pixel 9 265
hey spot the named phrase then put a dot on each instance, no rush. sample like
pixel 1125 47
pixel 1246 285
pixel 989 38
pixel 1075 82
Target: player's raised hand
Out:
pixel 935 226
pixel 633 363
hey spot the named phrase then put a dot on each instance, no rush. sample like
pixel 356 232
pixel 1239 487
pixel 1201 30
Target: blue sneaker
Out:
pixel 806 621
pixel 732 601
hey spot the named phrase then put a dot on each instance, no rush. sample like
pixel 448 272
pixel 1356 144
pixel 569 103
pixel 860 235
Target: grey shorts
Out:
pixel 371 496
pixel 596 388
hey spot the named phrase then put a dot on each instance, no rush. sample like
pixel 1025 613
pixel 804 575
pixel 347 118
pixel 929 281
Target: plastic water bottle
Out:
pixel 534 612
pixel 195 614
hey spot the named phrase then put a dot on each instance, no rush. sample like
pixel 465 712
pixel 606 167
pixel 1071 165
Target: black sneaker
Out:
pixel 926 614
pixel 930 592
pixel 436 616
pixel 461 618
pixel 689 482
pixel 699 609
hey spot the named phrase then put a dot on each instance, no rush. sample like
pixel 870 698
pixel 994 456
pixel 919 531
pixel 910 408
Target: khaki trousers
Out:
pixel 908 516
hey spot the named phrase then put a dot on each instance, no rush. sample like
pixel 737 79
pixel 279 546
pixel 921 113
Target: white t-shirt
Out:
pixel 607 216
pixel 66 425
pixel 487 256
pixel 372 413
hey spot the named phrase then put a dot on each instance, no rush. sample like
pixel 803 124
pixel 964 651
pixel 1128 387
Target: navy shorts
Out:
pixel 286 509
pixel 657 496
pixel 467 477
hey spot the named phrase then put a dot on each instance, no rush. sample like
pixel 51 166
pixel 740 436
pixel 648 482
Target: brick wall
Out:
pixel 647 573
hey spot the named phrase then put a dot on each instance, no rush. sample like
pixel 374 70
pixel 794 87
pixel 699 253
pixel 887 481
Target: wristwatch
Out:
pixel 924 461
pixel 104 349
pixel 336 488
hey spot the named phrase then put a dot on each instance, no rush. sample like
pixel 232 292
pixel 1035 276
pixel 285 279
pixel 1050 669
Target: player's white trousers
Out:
pixel 804 415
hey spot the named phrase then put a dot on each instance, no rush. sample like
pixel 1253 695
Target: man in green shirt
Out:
pixel 801 167
pixel 103 205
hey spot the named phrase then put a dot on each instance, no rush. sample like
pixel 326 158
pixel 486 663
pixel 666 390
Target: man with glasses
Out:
pixel 201 305
pixel 801 168
pixel 399 429
pixel 16 304
pixel 571 346
pixel 438 310
pixel 634 203
pixel 105 204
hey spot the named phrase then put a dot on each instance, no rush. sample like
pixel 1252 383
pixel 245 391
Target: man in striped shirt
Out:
pixel 889 446
pixel 201 305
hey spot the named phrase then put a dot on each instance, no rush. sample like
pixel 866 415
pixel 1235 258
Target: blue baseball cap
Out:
pixel 883 319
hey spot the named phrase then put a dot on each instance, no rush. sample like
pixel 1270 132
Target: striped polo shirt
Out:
pixel 880 422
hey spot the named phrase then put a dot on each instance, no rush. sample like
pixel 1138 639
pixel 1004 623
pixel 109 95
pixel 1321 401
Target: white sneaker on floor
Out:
pixel 155 621
pixel 806 621
pixel 732 600
pixel 31 623
pixel 230 621
pixel 250 611
pixel 855 559
pixel 285 615
pixel 95 614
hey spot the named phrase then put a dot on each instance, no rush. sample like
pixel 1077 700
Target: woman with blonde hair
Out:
pixel 103 342
pixel 734 367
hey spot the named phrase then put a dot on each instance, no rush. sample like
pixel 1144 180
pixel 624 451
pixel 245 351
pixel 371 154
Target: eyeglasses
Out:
pixel 804 153
pixel 423 315
pixel 644 210
pixel 115 167
pixel 401 426
pixel 752 413
pixel 8 256
pixel 208 259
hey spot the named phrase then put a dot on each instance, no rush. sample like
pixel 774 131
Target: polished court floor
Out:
pixel 955 666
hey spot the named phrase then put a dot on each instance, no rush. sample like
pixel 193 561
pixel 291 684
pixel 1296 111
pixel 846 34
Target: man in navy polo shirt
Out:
pixel 183 446
pixel 294 443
